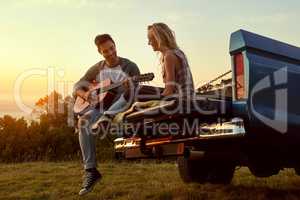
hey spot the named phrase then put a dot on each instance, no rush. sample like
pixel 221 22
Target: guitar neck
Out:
pixel 139 78
pixel 110 87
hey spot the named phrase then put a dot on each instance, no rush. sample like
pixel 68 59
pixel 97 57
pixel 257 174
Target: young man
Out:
pixel 116 69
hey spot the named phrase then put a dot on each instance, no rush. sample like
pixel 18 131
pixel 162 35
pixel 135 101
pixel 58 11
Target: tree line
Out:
pixel 48 138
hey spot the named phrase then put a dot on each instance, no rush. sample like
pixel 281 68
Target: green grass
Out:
pixel 132 180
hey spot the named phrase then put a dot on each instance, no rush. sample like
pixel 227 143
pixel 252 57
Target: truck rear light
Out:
pixel 239 76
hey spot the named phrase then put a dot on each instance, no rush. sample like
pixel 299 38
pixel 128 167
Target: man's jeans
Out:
pixel 87 139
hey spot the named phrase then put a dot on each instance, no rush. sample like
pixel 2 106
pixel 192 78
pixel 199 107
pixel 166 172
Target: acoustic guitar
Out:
pixel 101 93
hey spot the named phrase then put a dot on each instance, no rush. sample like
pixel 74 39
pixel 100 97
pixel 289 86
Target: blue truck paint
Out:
pixel 272 73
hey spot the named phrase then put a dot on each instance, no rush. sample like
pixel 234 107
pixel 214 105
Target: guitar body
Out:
pixel 101 95
pixel 80 106
pixel 103 100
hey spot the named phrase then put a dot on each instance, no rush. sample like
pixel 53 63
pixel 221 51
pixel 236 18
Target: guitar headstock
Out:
pixel 143 77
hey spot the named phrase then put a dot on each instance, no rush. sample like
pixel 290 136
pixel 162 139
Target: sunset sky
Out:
pixel 57 36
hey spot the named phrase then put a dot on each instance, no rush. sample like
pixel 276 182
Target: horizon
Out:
pixel 58 36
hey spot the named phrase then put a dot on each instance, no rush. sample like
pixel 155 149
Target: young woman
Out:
pixel 175 68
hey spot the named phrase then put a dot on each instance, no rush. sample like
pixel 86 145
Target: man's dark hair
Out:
pixel 100 39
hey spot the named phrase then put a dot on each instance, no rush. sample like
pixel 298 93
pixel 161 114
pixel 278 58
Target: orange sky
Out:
pixel 58 35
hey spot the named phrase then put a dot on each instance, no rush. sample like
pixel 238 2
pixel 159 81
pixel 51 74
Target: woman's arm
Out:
pixel 169 65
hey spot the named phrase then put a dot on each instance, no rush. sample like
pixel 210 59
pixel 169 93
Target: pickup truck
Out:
pixel 251 120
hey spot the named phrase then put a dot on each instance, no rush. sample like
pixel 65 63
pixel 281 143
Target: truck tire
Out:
pixel 297 170
pixel 262 164
pixel 191 170
pixel 263 172
pixel 201 171
pixel 221 173
pixel 262 167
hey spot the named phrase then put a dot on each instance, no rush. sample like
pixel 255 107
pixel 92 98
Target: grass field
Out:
pixel 132 180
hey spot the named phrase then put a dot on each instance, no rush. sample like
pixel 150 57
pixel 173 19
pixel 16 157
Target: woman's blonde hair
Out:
pixel 164 35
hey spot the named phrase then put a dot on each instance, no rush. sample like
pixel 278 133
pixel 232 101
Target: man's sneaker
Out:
pixel 90 179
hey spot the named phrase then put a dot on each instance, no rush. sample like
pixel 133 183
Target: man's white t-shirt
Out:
pixel 115 74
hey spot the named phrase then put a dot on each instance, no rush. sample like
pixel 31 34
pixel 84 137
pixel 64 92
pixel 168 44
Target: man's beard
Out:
pixel 112 60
